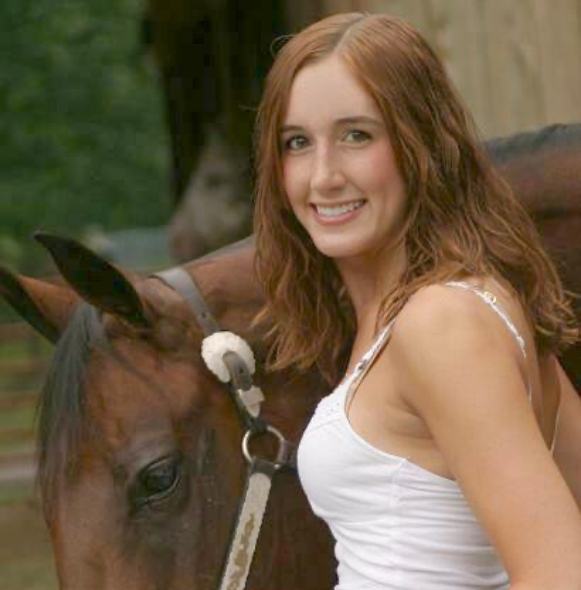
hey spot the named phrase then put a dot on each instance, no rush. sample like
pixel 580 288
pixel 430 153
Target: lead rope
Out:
pixel 248 399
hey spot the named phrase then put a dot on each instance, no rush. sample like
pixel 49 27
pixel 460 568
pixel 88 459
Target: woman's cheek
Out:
pixel 380 164
pixel 294 180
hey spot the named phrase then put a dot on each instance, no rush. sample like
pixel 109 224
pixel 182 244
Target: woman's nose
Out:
pixel 326 173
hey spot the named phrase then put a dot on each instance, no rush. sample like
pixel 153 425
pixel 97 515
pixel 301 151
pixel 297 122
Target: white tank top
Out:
pixel 396 525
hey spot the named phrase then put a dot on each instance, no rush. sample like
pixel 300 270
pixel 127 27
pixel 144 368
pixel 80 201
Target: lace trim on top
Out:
pixel 331 405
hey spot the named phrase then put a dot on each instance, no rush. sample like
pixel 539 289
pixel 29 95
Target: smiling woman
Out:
pixel 392 253
pixel 340 173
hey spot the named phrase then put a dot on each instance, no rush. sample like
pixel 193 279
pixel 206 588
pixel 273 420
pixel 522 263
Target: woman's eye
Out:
pixel 295 143
pixel 157 481
pixel 357 136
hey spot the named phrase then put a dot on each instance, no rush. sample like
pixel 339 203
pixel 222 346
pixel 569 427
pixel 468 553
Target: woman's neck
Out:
pixel 369 279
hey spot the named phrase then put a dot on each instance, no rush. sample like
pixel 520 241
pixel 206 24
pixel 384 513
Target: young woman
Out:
pixel 385 238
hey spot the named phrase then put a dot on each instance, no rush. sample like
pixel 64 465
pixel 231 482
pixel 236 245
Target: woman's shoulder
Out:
pixel 470 311
pixel 452 291
pixel 447 342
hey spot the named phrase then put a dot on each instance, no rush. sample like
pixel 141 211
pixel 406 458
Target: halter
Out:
pixel 247 398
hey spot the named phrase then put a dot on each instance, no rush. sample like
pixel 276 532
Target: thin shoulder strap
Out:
pixel 367 359
pixel 490 299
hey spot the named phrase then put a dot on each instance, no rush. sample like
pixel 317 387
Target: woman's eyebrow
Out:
pixel 359 119
pixel 287 128
pixel 338 123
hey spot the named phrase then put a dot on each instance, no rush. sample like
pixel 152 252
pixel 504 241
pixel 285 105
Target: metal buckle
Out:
pixel 283 446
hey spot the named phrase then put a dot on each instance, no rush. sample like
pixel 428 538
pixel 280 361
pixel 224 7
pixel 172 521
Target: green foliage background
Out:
pixel 81 123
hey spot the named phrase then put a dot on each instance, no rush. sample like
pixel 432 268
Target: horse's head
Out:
pixel 140 463
pixel 219 180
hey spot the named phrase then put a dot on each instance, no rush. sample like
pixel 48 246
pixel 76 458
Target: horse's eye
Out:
pixel 158 480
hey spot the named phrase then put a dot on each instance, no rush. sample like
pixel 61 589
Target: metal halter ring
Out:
pixel 282 445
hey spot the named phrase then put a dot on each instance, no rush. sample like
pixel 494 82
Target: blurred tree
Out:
pixel 81 123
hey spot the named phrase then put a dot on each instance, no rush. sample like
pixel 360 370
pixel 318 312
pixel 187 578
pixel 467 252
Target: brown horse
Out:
pixel 140 462
pixel 544 169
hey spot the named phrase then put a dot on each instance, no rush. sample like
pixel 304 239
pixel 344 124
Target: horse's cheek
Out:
pixel 83 530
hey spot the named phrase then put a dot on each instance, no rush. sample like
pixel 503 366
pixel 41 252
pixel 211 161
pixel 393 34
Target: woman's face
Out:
pixel 340 174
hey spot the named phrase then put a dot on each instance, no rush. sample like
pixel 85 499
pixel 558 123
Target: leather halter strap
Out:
pixel 179 280
pixel 253 503
pixel 240 384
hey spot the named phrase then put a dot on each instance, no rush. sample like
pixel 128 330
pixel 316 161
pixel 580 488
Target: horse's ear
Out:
pixel 46 307
pixel 97 281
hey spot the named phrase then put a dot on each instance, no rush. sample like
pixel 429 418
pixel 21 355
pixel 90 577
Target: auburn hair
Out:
pixel 462 218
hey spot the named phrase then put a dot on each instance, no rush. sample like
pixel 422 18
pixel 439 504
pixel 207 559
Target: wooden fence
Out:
pixel 24 359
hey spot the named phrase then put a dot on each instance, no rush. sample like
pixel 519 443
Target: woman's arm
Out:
pixel 460 370
pixel 568 437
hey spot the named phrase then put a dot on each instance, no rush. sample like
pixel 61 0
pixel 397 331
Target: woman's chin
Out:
pixel 339 249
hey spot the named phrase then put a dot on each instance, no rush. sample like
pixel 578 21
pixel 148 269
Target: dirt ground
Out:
pixel 25 554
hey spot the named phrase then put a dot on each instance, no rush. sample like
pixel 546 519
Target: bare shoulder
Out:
pixel 437 314
pixel 434 306
pixel 446 336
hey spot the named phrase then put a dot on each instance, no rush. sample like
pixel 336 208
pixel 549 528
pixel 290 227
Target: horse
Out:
pixel 218 181
pixel 211 57
pixel 542 167
pixel 140 466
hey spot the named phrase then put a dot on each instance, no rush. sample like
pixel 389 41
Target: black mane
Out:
pixel 504 149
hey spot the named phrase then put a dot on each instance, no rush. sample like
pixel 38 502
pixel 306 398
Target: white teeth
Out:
pixel 338 210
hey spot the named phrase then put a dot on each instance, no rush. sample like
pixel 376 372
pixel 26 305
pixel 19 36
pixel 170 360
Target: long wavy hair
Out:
pixel 462 218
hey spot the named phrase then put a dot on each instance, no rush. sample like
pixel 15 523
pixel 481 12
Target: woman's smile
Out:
pixel 337 213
